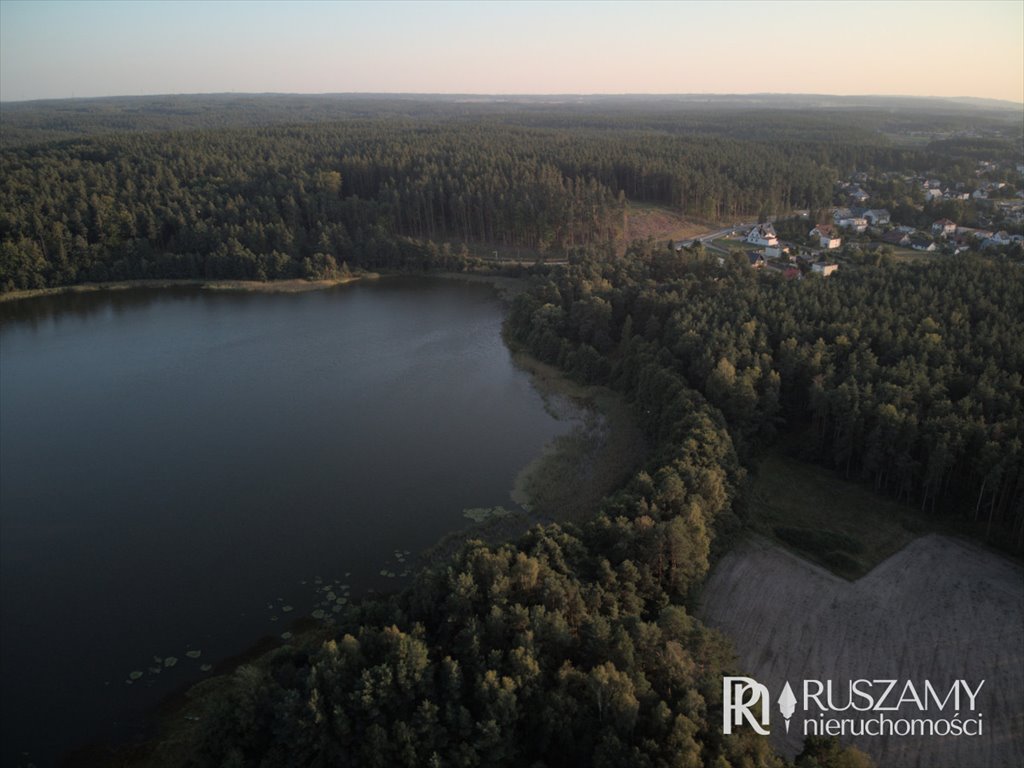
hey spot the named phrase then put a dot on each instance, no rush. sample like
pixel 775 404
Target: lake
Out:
pixel 179 468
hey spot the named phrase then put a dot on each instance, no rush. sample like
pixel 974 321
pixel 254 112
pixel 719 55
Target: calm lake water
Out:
pixel 175 464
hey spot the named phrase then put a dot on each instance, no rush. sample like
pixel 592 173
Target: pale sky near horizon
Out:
pixel 59 49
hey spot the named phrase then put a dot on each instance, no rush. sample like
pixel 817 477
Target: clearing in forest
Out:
pixel 841 525
pixel 941 609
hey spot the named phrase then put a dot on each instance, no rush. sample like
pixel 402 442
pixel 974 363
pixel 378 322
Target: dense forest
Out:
pixel 174 188
pixel 575 644
pixel 289 202
pixel 906 376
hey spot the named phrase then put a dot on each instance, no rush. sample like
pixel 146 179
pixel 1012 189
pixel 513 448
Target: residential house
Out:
pixel 877 216
pixel 943 228
pixel 763 235
pixel 775 251
pixel 932 194
pixel 896 237
pixel 756 259
pixel 921 242
pixel 823 269
pixel 971 232
pixel 827 238
pixel 858 195
pixel 856 224
pixel 787 271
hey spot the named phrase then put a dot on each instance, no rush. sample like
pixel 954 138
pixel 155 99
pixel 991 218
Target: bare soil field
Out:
pixel 940 609
pixel 659 223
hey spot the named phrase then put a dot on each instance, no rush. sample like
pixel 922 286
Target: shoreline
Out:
pixel 244 286
pixel 564 469
pixel 505 285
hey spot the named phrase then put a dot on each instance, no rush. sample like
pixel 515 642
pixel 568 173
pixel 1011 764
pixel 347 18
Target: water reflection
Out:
pixel 175 462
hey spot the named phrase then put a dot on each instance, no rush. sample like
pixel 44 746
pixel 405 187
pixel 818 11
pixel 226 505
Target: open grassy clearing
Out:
pixel 733 244
pixel 912 256
pixel 834 522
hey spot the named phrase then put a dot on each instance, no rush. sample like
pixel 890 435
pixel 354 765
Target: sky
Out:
pixel 57 49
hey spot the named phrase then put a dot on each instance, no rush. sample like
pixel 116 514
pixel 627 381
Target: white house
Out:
pixel 944 228
pixel 932 194
pixel 763 235
pixel 823 269
pixel 826 237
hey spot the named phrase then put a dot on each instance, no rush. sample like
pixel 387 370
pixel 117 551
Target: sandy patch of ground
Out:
pixel 940 609
pixel 643 221
pixel 270 286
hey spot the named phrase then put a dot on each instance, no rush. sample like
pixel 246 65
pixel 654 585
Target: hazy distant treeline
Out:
pixel 837 119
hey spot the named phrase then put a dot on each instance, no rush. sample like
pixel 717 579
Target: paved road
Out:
pixel 709 237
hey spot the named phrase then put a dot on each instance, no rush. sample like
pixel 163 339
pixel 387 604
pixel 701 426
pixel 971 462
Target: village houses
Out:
pixel 827 238
pixel 763 235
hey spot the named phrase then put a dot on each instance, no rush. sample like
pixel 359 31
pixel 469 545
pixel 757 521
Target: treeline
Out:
pixel 300 201
pixel 225 187
pixel 906 376
pixel 774 118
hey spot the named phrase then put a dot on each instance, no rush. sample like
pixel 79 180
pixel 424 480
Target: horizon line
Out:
pixel 511 95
